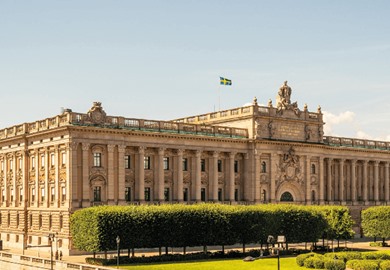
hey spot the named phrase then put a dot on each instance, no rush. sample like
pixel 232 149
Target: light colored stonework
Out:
pixel 246 155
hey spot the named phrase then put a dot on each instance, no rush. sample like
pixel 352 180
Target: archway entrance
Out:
pixel 286 197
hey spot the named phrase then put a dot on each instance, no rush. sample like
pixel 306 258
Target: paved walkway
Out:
pixel 353 244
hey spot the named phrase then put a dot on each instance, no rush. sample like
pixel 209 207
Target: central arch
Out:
pixel 292 189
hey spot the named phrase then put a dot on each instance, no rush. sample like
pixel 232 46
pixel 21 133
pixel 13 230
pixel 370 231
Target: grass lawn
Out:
pixel 239 264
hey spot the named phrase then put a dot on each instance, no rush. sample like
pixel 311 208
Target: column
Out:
pixel 231 177
pixel 73 187
pixel 321 181
pixel 342 180
pixel 365 181
pixel 57 187
pixel 308 172
pixel 121 174
pixel 197 184
pixel 272 177
pixel 353 181
pixel 160 175
pixel 257 178
pixel 139 193
pixel 387 182
pixel 110 174
pixel 179 175
pixel 85 171
pixel 329 174
pixel 214 177
pixel 376 181
pixel 248 180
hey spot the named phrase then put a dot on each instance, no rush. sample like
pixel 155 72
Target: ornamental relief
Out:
pixel 204 177
pixel 168 177
pixel 263 179
pixel 98 170
pixel 149 176
pixel 289 168
pixel 186 177
pixel 63 174
pixel 2 179
pixel 41 177
pixel 19 177
pixel 313 181
pixel 237 179
pixel 129 176
pixel 129 180
pixel 52 175
pixel 10 178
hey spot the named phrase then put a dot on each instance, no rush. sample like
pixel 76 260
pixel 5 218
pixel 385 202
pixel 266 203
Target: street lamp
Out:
pixel 51 237
pixel 118 241
pixel 280 240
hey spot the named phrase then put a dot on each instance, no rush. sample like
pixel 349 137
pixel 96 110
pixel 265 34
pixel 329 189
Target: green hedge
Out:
pixel 363 264
pixel 96 228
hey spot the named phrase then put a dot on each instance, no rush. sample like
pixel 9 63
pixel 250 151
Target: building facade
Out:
pixel 246 155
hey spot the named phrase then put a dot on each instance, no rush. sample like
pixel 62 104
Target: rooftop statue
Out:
pixel 284 100
pixel 285 93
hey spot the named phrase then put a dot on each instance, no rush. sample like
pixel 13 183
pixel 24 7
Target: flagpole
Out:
pixel 219 97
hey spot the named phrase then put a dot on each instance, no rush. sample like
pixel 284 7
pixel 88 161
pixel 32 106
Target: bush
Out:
pixel 300 259
pixel 345 255
pixel 334 264
pixel 379 244
pixel 316 262
pixel 384 265
pixel 375 256
pixel 363 264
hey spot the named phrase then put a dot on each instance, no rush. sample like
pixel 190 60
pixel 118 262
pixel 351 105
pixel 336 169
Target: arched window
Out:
pixel 286 197
pixel 264 195
pixel 313 169
pixel 263 167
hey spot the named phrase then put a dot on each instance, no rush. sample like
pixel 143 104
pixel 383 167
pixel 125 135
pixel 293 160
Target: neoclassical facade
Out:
pixel 246 155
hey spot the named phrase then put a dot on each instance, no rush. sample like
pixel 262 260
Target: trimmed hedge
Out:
pixel 96 228
pixel 384 265
pixel 363 264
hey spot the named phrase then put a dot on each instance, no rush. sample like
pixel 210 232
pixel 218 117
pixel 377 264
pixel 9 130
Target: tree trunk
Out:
pixel 159 251
pixel 132 252
pixel 166 250
pixel 223 249
pixel 243 247
pixel 205 249
pixel 105 254
pixel 184 250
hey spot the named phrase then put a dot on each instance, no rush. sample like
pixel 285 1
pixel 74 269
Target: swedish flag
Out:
pixel 224 81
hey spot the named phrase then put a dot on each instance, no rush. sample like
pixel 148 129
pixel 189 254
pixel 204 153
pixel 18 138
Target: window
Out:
pixel 52 160
pixel 313 196
pixel 202 165
pixel 127 162
pixel 236 166
pixel 32 194
pixel 97 194
pixel 220 194
pixel 20 195
pixel 236 194
pixel 33 163
pixel 63 158
pixel 219 165
pixel 31 220
pixel 61 221
pixel 313 169
pixel 128 194
pixel 147 194
pixel 63 194
pixel 203 194
pixel 11 164
pixel 2 195
pixel 42 161
pixel 17 219
pixel 50 221
pixel 97 159
pixel 147 163
pixel 20 164
pixel 12 194
pixel 263 167
pixel 166 163
pixel 185 194
pixel 53 194
pixel 8 220
pixel 1 218
pixel 185 164
pixel 166 194
pixel 42 194
pixel 40 221
pixel 264 195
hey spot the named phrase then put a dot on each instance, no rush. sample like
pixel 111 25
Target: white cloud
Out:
pixel 331 120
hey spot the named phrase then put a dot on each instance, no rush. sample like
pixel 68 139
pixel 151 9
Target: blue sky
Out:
pixel 162 59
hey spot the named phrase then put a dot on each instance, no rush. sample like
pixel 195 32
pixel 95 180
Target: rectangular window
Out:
pixel 236 194
pixel 17 219
pixel 202 165
pixel 42 161
pixel 63 194
pixel 61 221
pixel 2 195
pixel 20 195
pixel 50 221
pixel 20 164
pixel 185 194
pixel 166 163
pixel 219 165
pixel 147 163
pixel 11 164
pixel 31 220
pixel 32 162
pixel 166 194
pixel 203 194
pixel 220 194
pixel 42 194
pixel 53 194
pixel 236 166
pixel 127 162
pixel 12 195
pixel 147 194
pixel 63 158
pixel 97 194
pixel 128 194
pixel 32 194
pixel 97 159
pixel 185 164
pixel 52 161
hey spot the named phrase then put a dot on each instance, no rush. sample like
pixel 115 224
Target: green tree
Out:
pixel 376 222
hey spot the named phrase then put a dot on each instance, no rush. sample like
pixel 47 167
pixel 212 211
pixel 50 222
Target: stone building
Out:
pixel 246 155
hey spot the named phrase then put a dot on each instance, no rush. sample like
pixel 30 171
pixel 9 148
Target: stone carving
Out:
pixel 96 114
pixel 284 100
pixel 308 133
pixel 289 168
pixel 186 177
pixel 271 129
